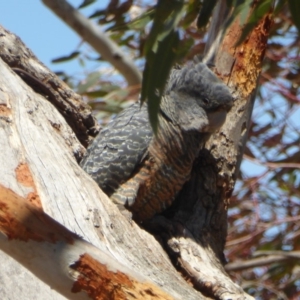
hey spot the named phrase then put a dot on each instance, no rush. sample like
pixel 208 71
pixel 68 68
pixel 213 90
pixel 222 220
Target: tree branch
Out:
pixel 269 257
pixel 37 163
pixel 201 207
pixel 64 261
pixel 100 41
pixel 70 105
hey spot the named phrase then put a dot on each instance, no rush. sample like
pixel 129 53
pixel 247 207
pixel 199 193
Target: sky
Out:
pixel 42 31
pixel 49 37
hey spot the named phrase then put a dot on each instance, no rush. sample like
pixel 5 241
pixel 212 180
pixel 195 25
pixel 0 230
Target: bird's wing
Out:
pixel 117 150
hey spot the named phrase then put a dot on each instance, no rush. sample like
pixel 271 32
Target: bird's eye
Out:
pixel 205 100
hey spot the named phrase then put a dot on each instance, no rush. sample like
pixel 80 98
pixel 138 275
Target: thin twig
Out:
pixel 100 41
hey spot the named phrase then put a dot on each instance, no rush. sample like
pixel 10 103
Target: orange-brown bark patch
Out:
pixel 24 177
pixel 34 198
pixel 248 56
pixel 101 283
pixel 4 110
pixel 21 220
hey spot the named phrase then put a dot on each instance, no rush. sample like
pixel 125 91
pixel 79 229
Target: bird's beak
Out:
pixel 216 119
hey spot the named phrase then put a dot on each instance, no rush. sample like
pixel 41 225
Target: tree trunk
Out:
pixel 38 163
pixel 39 154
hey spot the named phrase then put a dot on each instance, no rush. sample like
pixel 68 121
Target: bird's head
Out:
pixel 196 99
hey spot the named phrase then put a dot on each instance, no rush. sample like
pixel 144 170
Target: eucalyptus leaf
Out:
pixel 97 93
pixel 138 23
pixel 98 13
pixel 91 80
pixel 205 12
pixel 165 20
pixel 258 13
pixel 161 52
pixel 66 58
pixel 86 3
pixel 295 12
pixel 156 74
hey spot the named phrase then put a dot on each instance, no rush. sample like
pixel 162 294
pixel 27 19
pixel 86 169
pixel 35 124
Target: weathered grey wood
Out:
pixel 102 43
pixel 195 230
pixel 18 283
pixel 62 259
pixel 34 134
pixel 76 113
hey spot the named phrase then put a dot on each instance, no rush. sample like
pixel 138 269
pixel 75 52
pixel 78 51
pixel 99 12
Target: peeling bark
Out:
pixel 69 104
pixel 38 158
pixel 62 259
pixel 38 164
pixel 195 228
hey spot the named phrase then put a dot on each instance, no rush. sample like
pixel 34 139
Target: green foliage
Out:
pixel 137 24
pixel 156 72
pixel 90 81
pixel 86 3
pixel 249 17
pixel 295 12
pixel 264 213
pixel 160 52
pixel 66 58
pixel 205 12
pixel 265 208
